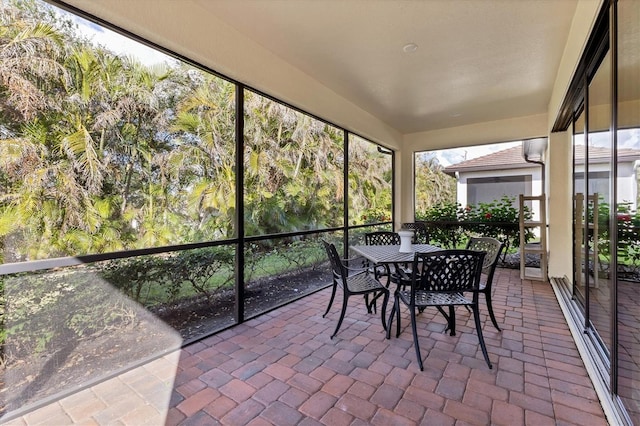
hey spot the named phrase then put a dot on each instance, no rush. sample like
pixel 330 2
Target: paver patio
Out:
pixel 282 369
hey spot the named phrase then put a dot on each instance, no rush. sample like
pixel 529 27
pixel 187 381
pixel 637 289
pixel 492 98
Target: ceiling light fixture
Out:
pixel 410 47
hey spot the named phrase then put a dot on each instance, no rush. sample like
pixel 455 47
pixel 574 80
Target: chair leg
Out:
pixel 452 320
pixel 451 329
pixel 397 317
pixel 374 300
pixel 333 295
pixel 367 303
pixel 344 310
pixel 414 328
pixel 393 311
pixel 476 318
pixel 384 310
pixel 490 309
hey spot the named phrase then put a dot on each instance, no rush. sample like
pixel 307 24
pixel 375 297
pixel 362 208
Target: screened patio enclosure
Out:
pixel 271 125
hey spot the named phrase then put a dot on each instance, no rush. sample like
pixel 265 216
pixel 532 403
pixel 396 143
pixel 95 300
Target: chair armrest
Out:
pixel 356 270
pixel 355 260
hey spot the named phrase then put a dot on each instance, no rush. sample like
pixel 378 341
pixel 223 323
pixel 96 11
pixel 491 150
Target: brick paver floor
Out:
pixel 283 369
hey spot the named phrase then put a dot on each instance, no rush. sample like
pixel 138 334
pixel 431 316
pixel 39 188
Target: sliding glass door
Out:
pixel 598 165
pixel 627 360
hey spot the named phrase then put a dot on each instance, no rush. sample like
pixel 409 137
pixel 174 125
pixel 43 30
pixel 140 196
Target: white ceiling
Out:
pixel 477 60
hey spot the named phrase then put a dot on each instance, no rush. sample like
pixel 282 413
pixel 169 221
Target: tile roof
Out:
pixel 512 158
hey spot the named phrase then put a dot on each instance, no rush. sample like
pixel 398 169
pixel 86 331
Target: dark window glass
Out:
pixel 487 190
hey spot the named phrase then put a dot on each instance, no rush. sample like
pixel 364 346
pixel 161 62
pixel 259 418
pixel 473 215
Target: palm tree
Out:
pixel 292 162
pixel 432 185
pixel 370 176
pixel 203 161
pixel 29 53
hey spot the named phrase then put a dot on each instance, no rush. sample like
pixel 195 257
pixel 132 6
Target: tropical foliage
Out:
pixel 628 239
pixel 444 228
pixel 432 186
pixel 101 153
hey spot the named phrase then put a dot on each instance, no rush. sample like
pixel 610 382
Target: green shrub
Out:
pixel 452 224
pixel 449 233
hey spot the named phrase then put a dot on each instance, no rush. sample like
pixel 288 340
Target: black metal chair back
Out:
pixel 421 234
pixel 492 249
pixel 381 238
pixel 447 271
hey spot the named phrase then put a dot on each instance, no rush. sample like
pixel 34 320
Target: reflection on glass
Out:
pixel 370 182
pixel 628 217
pixel 580 218
pixel 293 169
pixel 64 328
pixel 599 200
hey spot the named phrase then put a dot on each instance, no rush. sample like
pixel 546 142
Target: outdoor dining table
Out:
pixel 391 254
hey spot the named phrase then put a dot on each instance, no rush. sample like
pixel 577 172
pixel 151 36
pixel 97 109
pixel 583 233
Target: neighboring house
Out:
pixel 600 170
pixel 490 177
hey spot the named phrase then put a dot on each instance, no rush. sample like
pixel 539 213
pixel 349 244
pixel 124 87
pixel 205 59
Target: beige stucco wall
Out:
pixel 559 204
pixel 558 167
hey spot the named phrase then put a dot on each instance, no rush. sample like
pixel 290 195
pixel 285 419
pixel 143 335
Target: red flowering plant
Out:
pixel 375 216
pixel 450 223
pixel 498 219
pixel 628 230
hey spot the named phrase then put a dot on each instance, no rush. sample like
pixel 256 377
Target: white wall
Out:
pixel 627 184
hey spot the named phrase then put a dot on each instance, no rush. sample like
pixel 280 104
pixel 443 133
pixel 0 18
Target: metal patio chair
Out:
pixel 443 279
pixel 359 282
pixel 492 249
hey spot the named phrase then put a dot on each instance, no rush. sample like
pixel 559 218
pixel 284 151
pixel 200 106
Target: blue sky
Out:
pixel 118 44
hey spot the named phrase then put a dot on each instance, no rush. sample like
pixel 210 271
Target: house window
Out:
pixel 598 184
pixel 489 189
